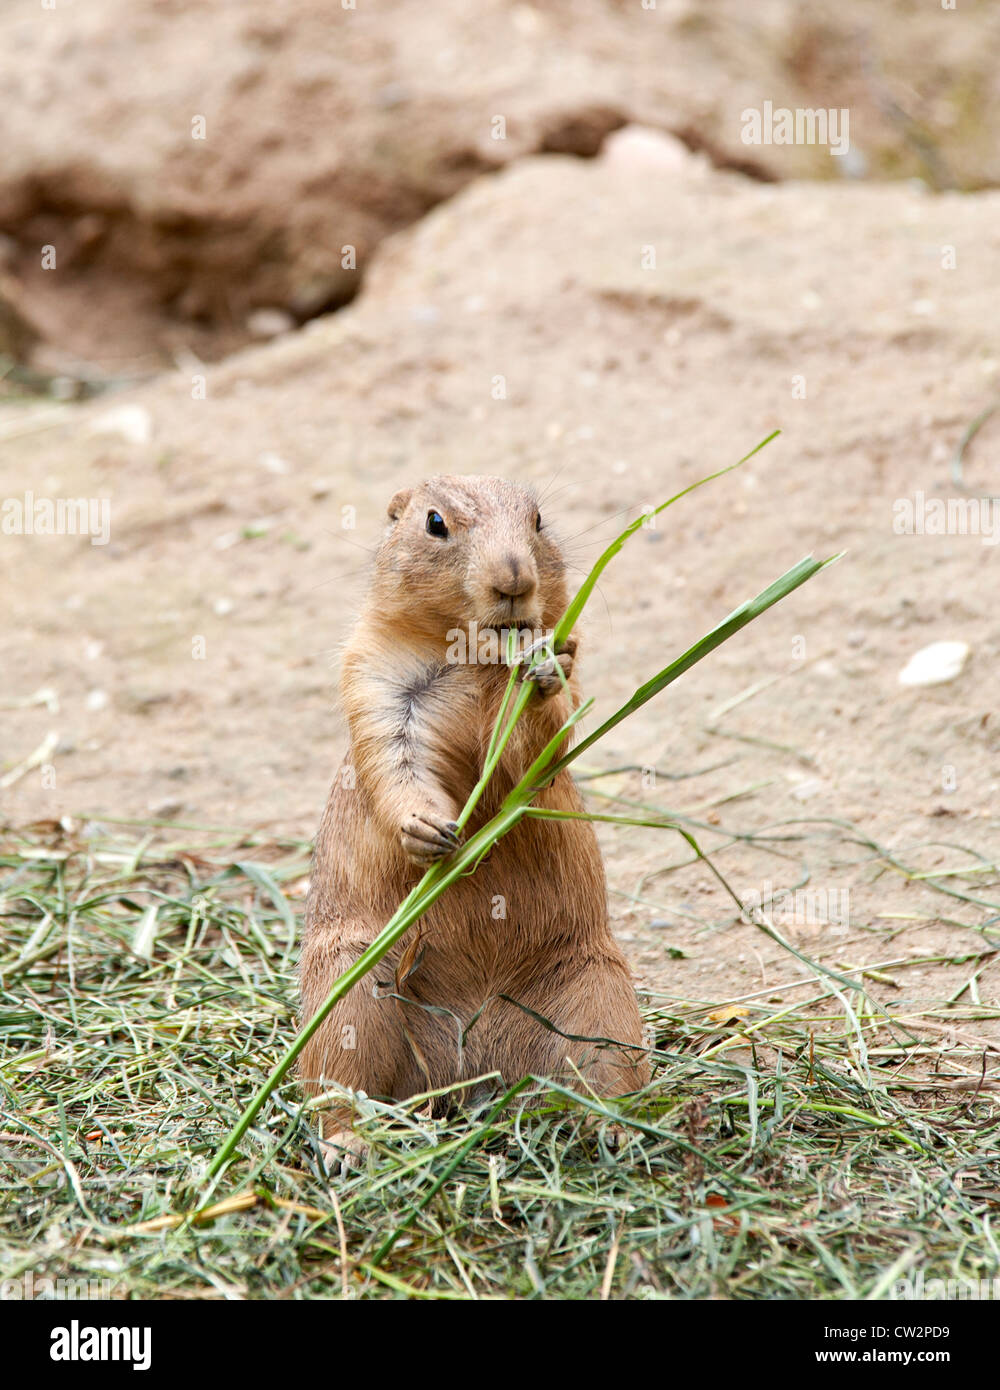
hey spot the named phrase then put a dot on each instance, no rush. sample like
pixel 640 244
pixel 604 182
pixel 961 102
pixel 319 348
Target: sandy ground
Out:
pixel 185 671
pixel 194 161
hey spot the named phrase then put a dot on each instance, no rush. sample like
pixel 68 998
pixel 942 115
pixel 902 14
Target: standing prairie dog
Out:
pixel 531 923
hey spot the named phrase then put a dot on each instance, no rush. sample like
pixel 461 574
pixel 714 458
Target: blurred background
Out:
pixel 199 163
pixel 261 265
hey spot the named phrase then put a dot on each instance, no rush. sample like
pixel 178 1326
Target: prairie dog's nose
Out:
pixel 514 578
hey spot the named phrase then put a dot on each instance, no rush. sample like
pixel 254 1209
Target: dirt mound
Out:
pixel 190 162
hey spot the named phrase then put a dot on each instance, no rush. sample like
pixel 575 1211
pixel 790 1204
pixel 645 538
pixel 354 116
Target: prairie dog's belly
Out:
pixel 540 884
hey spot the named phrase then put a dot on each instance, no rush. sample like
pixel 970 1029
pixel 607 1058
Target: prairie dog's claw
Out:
pixel 546 674
pixel 343 1152
pixel 565 648
pixel 616 1138
pixel 426 837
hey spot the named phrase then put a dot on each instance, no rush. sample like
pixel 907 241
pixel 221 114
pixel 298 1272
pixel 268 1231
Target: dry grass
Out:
pixel 148 988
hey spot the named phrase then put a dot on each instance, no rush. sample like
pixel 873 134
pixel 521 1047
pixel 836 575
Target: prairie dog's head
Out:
pixel 464 549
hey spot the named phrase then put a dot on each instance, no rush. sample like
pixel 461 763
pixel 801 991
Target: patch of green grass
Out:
pixel 147 988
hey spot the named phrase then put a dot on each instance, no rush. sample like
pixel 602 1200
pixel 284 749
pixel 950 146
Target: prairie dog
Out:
pixel 531 924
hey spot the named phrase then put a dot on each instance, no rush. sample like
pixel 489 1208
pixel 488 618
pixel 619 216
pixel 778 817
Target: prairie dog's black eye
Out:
pixel 436 526
pixel 538 521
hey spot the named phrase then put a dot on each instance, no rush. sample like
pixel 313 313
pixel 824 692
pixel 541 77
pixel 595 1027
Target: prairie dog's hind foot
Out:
pixel 343 1152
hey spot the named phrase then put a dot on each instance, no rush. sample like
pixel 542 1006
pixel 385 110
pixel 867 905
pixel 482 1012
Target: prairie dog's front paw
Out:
pixel 546 675
pixel 426 836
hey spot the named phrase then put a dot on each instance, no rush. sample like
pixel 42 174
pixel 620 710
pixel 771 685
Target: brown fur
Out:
pixel 419 730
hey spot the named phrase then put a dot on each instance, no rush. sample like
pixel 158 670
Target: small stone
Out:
pixel 641 148
pixel 96 700
pixel 269 323
pixel 133 423
pixel 936 664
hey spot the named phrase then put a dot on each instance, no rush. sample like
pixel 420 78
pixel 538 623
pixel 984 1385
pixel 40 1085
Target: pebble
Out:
pixel 133 423
pixel 936 664
pixel 269 323
pixel 639 147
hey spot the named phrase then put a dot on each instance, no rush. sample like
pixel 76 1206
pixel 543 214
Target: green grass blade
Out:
pixel 567 622
pixel 739 618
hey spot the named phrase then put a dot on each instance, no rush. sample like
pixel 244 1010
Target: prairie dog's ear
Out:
pixel 398 504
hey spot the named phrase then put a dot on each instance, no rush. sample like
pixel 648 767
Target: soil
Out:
pixel 609 328
pixel 193 162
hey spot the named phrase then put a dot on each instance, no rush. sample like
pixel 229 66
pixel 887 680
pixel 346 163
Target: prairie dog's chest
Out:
pixel 463 701
pixel 441 698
